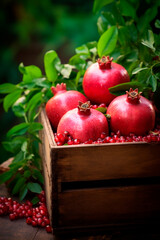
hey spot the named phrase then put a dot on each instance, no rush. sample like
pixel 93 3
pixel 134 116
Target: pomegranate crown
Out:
pixel 133 96
pixel 59 88
pixel 105 62
pixel 84 107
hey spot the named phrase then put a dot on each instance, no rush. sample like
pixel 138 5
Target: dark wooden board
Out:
pixel 101 185
pixel 109 206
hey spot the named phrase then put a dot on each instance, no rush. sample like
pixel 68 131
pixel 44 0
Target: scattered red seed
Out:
pixel 48 229
pixel 153 136
pixel 35 216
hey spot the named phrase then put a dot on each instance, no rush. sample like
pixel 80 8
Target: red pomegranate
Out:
pixel 100 76
pixel 61 102
pixel 83 123
pixel 131 113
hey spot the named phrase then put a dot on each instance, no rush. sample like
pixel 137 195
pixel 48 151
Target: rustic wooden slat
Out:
pixel 108 161
pixel 73 206
pixel 109 206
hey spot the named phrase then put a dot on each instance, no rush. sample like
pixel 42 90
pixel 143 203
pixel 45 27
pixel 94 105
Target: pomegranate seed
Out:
pixel 103 135
pixel 12 216
pixel 77 141
pixel 48 229
pixel 61 138
pixel 118 133
pixel 47 221
pixel 29 203
pixel 115 137
pixel 43 224
pixel 34 224
pixel 94 106
pixel 38 215
pixel 56 139
pixel 70 142
pixel 90 141
pixel 107 139
pixel 112 134
pixel 59 143
pixel 102 105
pixel 112 140
pixel 29 220
pixel 153 138
pixel 39 221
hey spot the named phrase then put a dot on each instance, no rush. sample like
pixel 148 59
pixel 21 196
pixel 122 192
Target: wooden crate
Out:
pixel 100 185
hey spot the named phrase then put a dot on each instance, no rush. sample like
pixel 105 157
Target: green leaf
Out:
pixel 123 36
pixel 152 80
pixel 42 82
pixel 35 200
pixel 34 101
pixel 138 69
pixel 30 72
pixel 92 46
pixel 50 61
pixel 121 89
pixel 77 61
pixel 7 88
pixel 146 18
pixel 14 145
pixel 34 127
pixel 157 23
pixel 18 110
pixel 37 175
pixel 5 176
pixel 24 146
pixel 107 41
pixel 66 70
pixel 19 129
pixel 23 192
pixel 127 9
pixel 18 158
pixel 101 109
pixel 149 41
pixel 34 187
pixel 27 174
pixel 21 181
pixel 98 4
pixel 82 50
pixel 156 68
pixel 11 98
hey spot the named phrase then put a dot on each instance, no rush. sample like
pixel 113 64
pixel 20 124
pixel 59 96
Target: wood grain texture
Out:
pixel 100 205
pixel 109 206
pixel 108 161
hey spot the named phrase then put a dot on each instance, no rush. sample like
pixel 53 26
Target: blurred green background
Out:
pixel 29 29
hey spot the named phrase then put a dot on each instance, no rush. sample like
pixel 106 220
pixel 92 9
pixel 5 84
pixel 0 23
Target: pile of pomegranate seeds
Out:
pixel 65 138
pixel 35 216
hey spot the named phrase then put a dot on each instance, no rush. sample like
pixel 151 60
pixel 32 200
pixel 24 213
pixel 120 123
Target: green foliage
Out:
pixel 128 36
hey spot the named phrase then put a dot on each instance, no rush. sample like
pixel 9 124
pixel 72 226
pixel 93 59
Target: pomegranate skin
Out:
pixel 61 102
pixel 131 116
pixel 82 125
pixel 98 79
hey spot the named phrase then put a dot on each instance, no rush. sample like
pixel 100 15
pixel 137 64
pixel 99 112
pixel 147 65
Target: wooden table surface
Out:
pixel 18 229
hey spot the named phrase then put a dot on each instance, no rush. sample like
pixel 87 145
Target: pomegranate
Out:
pixel 61 102
pixel 131 113
pixel 83 123
pixel 100 76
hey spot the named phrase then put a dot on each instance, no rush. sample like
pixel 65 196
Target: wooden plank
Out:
pixel 108 161
pixel 109 206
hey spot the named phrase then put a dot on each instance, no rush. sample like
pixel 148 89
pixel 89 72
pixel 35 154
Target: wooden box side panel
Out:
pixel 46 155
pixel 111 161
pixel 125 205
